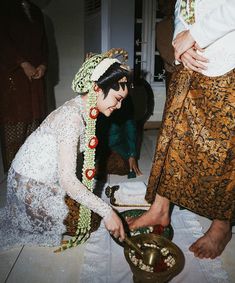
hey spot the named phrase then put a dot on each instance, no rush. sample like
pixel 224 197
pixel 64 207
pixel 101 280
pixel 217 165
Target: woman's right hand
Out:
pixel 114 225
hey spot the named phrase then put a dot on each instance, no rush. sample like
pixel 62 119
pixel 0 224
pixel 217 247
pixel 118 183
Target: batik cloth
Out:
pixel 194 163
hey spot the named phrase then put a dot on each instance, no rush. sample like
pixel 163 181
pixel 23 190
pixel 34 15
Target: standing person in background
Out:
pixel 194 164
pixel 23 61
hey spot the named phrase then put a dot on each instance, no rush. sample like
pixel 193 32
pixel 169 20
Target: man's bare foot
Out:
pixel 157 214
pixel 214 241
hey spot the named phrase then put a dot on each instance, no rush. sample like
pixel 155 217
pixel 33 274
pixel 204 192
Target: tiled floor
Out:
pixel 41 265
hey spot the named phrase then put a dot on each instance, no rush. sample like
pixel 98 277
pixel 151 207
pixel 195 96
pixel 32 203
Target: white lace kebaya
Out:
pixel 42 172
pixel 44 169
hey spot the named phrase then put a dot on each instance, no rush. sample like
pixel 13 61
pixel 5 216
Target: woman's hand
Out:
pixel 134 166
pixel 193 61
pixel 28 69
pixel 114 225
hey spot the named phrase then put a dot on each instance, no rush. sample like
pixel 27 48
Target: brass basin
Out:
pixel 142 276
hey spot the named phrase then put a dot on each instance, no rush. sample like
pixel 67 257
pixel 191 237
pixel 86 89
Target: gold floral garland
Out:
pixel 187 11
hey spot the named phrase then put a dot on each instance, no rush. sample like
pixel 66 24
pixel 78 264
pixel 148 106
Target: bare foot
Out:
pixel 214 241
pixel 157 214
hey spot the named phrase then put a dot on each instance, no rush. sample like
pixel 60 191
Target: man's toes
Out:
pixel 198 252
pixel 200 255
pixel 193 247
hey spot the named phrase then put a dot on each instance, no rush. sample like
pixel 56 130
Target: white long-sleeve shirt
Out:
pixel 214 30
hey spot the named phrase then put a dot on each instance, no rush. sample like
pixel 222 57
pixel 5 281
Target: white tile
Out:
pixel 3 185
pixel 2 174
pixel 7 260
pixel 42 265
pixel 228 259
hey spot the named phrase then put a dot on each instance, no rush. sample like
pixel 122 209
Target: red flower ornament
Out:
pixel 94 112
pixel 90 173
pixel 93 142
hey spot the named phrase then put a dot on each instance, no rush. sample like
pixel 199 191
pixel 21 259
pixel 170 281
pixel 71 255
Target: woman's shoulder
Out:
pixel 70 108
pixel 65 116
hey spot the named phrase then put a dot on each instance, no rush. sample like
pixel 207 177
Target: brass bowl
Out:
pixel 159 276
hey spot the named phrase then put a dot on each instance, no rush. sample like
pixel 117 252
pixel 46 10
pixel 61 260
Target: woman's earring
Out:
pixel 97 88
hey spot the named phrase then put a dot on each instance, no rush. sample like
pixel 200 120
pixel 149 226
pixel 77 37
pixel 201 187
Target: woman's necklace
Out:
pixel 88 173
pixel 187 11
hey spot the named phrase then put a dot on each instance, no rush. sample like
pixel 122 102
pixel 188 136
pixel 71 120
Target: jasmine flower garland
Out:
pixel 187 11
pixel 84 83
pixel 88 173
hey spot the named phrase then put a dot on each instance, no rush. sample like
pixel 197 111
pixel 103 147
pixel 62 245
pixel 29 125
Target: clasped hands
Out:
pixel 186 52
pixel 31 72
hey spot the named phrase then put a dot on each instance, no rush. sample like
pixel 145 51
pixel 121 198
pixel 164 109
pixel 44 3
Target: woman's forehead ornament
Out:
pixel 95 66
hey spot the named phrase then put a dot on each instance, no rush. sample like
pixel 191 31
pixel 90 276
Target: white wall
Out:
pixel 65 28
pixel 66 18
pixel 92 36
pixel 122 20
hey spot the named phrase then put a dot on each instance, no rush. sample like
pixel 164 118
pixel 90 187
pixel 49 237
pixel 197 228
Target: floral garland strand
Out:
pixel 187 11
pixel 82 83
pixel 88 174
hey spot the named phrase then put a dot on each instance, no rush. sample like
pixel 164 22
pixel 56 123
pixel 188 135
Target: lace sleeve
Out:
pixel 67 148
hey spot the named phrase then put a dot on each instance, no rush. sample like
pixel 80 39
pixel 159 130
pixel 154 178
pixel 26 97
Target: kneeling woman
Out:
pixel 44 169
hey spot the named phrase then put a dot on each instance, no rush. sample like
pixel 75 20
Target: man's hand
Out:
pixel 182 43
pixel 193 61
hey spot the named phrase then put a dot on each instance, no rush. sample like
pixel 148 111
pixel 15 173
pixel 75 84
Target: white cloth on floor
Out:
pixel 105 261
pixel 130 194
pixel 187 230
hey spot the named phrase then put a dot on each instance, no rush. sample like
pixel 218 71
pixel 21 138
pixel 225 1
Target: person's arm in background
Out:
pixel 130 132
pixel 131 137
pixel 10 57
pixel 41 68
pixel 123 134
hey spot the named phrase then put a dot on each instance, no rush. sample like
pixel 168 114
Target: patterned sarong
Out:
pixel 194 164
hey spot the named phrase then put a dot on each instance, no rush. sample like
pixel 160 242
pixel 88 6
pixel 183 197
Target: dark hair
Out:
pixel 111 77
